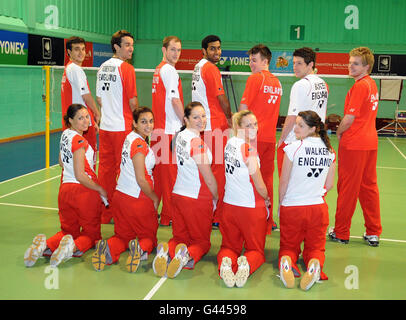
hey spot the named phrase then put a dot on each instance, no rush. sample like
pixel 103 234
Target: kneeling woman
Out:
pixel 134 203
pixel 193 194
pixel 307 174
pixel 244 219
pixel 79 199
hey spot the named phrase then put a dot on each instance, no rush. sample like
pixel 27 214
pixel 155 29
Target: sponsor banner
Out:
pixel 101 53
pixel 281 62
pixel 231 60
pixel 188 59
pixel 45 50
pixel 332 63
pixel 389 65
pixel 88 62
pixel 13 47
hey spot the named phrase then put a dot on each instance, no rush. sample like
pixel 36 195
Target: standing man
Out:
pixel 309 93
pixel 207 88
pixel 167 106
pixel 117 97
pixel 357 153
pixel 75 89
pixel 262 95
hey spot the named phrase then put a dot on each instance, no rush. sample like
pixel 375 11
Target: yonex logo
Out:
pixel 314 172
pixel 106 86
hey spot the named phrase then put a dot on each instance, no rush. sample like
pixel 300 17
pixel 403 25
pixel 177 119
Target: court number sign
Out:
pixel 297 32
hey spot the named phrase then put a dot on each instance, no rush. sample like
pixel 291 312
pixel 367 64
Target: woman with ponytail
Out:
pixel 194 195
pixel 134 203
pixel 307 174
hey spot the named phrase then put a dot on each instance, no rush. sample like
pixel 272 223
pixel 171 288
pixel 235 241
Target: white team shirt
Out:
pixel 69 143
pixel 189 180
pixel 239 187
pixel 311 162
pixel 127 182
pixel 110 87
pixel 309 93
pixel 169 90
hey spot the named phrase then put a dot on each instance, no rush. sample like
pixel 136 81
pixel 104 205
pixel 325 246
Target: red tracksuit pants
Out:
pixel 134 218
pixel 79 215
pixel 110 148
pixel 216 140
pixel 266 152
pixel 191 225
pixel 165 172
pixel 306 224
pixel 357 180
pixel 243 227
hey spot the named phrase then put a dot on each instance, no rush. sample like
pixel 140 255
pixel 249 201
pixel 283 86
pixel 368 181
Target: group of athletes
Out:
pixel 207 166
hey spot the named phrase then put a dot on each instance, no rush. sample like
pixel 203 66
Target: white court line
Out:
pixel 404 157
pixel 27 174
pixel 391 168
pixel 33 185
pixel 27 206
pixel 155 288
pixel 381 239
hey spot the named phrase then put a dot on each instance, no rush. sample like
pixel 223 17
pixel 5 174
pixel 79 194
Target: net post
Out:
pixel 47 114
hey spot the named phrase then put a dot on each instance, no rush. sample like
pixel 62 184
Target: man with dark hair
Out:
pixel 309 93
pixel 117 97
pixel 75 88
pixel 167 106
pixel 262 95
pixel 207 88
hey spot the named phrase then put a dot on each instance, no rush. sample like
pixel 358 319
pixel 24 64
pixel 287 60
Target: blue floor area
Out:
pixel 26 155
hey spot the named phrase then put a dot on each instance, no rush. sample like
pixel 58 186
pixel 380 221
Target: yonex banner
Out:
pixel 45 50
pixel 101 53
pixel 13 47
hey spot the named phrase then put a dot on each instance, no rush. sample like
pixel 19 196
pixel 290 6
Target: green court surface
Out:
pixel 28 206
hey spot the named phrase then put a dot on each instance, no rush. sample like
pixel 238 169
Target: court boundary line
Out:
pixel 394 145
pixel 28 187
pixel 155 288
pixel 27 206
pixel 27 174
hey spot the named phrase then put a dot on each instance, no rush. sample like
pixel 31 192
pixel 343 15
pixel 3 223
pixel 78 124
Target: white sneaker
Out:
pixel 243 272
pixel 35 250
pixel 372 240
pixel 286 272
pixel 160 262
pixel 312 274
pixel 64 252
pixel 226 272
pixel 179 261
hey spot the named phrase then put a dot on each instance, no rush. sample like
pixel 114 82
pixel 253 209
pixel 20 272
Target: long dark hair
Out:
pixel 71 112
pixel 312 119
pixel 138 112
pixel 187 111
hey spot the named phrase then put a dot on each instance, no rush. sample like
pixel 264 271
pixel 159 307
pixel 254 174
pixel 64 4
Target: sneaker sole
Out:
pixel 59 254
pixel 175 266
pixel 99 257
pixel 134 258
pixel 160 263
pixel 241 276
pixel 35 251
pixel 309 279
pixel 287 276
pixel 227 275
